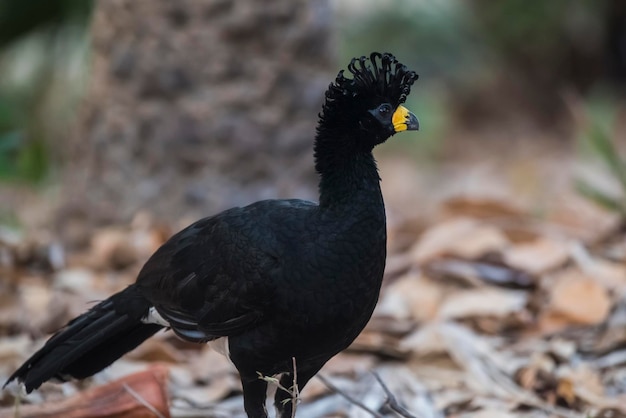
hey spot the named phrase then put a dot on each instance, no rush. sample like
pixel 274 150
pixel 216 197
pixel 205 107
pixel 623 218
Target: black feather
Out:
pixel 282 279
pixel 90 342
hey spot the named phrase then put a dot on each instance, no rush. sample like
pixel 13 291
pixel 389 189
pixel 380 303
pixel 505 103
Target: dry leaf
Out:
pixel 380 344
pixel 12 349
pixel 135 396
pixel 425 341
pixel 349 363
pixel 584 220
pixel 476 273
pixel 411 296
pixel 484 208
pixel 209 364
pixel 581 382
pixel 488 413
pixel 462 237
pixel 314 390
pixel 610 274
pixel 217 389
pixel 579 299
pixel 156 350
pixel 485 301
pixel 110 248
pixel 537 257
pixel 76 280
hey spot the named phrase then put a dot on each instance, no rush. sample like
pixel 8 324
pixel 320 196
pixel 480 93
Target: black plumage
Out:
pixel 282 279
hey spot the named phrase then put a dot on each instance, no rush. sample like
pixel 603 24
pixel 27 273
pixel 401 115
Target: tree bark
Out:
pixel 198 105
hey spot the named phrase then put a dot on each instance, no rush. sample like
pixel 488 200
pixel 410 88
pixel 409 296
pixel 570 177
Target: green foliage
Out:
pixel 21 18
pixel 39 42
pixel 599 140
pixel 434 39
pixel 23 157
pixel 514 26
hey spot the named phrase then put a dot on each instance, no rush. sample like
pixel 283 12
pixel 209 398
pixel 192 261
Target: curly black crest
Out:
pixel 378 77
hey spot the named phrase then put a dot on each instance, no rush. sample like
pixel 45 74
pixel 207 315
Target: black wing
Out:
pixel 217 277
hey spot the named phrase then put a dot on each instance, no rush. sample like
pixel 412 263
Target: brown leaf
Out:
pixel 134 396
pixel 579 299
pixel 349 364
pixel 425 341
pixel 483 208
pixel 462 237
pixel 477 272
pixel 537 257
pixel 411 296
pixel 489 413
pixel 155 350
pixel 565 391
pixel 217 389
pixel 380 344
pixel 585 220
pixel 210 363
pixel 485 301
pixel 581 382
pixel 110 248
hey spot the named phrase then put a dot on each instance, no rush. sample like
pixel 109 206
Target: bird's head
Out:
pixel 366 107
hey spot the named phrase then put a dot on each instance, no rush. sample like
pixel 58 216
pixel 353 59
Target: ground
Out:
pixel 503 296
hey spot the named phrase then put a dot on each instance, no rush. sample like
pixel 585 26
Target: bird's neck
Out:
pixel 347 177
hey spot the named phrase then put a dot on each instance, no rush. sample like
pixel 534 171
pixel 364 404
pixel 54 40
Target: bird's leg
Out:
pixel 283 401
pixel 254 395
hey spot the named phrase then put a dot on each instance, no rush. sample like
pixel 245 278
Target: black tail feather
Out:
pixel 90 342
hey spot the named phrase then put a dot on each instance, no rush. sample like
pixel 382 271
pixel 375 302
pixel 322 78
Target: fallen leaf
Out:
pixel 462 237
pixel 411 296
pixel 583 382
pixel 425 341
pixel 210 363
pixel 483 302
pixel 156 350
pixel 476 273
pixel 349 364
pixel 217 389
pixel 136 396
pixel 537 257
pixel 379 344
pixel 110 248
pixel 76 280
pixel 488 413
pixel 579 298
pixel 484 208
pixel 12 349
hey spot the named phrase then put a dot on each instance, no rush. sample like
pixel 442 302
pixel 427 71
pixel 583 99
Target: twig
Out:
pixel 393 403
pixel 348 397
pixel 274 381
pixel 18 402
pixel 295 391
pixel 142 401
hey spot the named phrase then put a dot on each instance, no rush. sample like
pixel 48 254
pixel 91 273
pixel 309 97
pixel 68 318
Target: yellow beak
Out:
pixel 404 120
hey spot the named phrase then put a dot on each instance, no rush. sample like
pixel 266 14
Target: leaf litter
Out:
pixel 486 311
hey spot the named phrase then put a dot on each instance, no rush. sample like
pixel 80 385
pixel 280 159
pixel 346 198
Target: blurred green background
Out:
pixel 509 65
pixel 43 65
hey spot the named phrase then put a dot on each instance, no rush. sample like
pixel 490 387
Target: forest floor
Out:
pixel 504 296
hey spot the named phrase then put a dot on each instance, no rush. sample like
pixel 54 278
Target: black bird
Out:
pixel 279 279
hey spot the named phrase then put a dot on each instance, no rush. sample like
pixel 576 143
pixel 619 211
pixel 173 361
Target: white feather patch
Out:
pixel 17 389
pixel 154 317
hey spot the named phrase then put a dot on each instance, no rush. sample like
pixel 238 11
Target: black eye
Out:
pixel 384 110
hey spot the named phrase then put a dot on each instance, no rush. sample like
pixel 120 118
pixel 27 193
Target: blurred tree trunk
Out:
pixel 195 106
